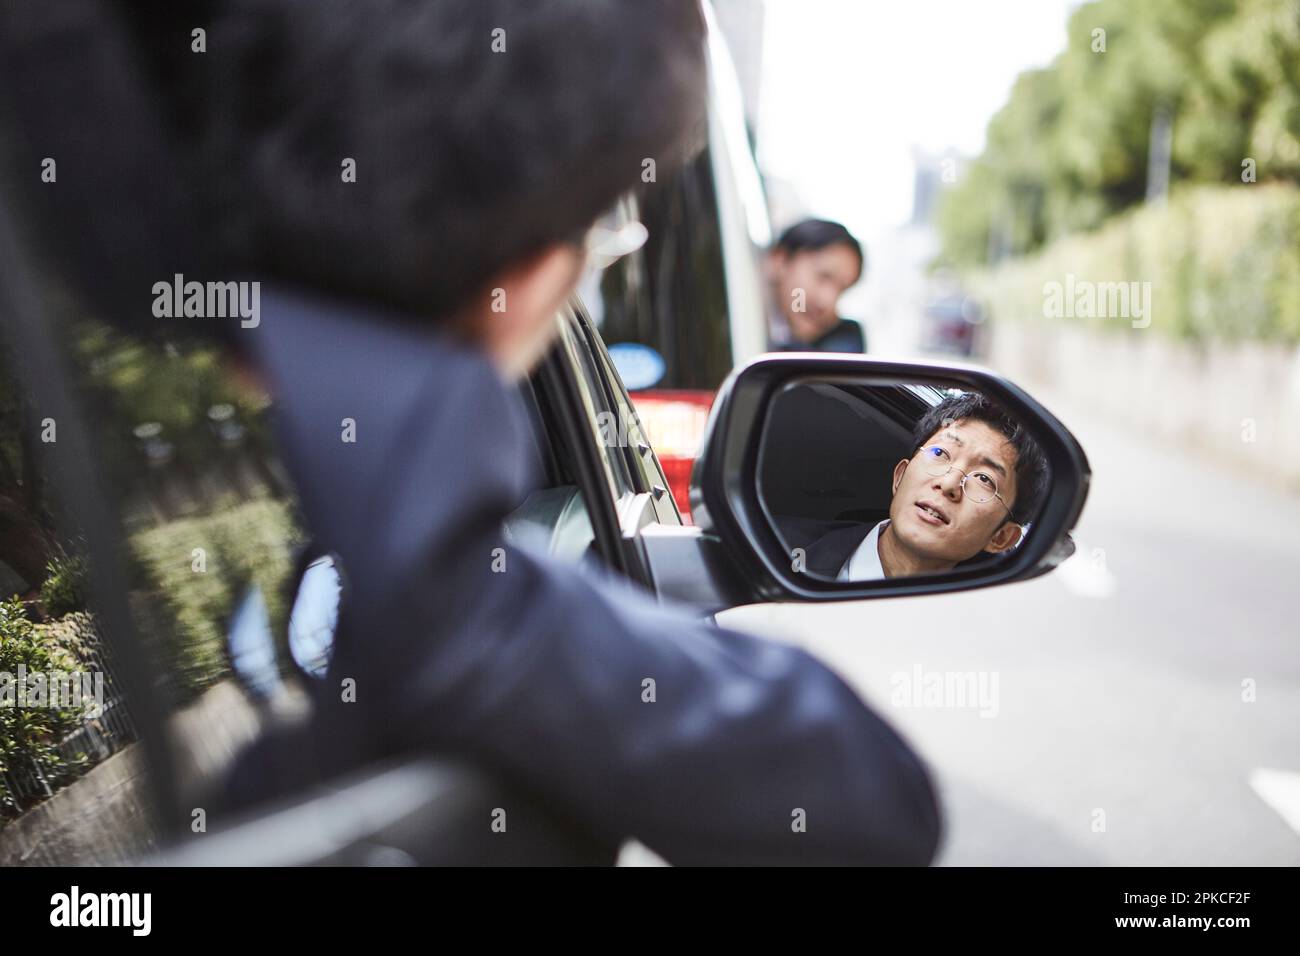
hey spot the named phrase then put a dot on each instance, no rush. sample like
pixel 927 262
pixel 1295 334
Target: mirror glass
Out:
pixel 866 481
pixel 314 619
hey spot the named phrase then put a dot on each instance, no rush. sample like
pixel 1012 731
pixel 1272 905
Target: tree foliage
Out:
pixel 1070 148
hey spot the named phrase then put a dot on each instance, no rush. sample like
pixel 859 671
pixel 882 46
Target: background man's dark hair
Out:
pixel 816 234
pixel 1031 464
pixel 482 131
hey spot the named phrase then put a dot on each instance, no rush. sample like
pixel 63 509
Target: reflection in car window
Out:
pixel 929 394
pixel 554 513
pixel 209 527
pixel 671 293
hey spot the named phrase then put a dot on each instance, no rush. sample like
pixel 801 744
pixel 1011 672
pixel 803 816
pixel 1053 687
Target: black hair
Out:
pixel 811 235
pixel 1031 463
pixel 482 131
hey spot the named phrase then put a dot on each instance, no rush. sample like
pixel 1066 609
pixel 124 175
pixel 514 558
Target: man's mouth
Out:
pixel 930 514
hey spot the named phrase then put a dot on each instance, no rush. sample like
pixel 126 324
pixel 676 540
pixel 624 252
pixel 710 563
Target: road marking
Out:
pixel 1280 789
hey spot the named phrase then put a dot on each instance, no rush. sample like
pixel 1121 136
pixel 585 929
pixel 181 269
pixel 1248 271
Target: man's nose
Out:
pixel 949 485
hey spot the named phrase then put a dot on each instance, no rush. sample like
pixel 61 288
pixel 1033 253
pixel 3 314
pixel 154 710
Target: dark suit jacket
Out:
pixel 833 549
pixel 844 336
pixel 538 672
pixel 826 544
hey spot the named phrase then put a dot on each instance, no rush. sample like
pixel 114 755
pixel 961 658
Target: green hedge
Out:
pixel 186 610
pixel 31 735
pixel 64 588
pixel 1223 263
pixel 245 544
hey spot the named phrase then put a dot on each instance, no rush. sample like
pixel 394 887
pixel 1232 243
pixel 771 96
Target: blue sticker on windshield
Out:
pixel 638 365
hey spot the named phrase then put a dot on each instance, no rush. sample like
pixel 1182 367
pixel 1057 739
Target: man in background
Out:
pixel 813 263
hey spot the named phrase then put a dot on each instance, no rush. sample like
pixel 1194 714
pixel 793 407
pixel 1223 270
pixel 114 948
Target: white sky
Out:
pixel 851 86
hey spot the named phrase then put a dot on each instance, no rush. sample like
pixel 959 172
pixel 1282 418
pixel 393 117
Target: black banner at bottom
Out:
pixel 214 906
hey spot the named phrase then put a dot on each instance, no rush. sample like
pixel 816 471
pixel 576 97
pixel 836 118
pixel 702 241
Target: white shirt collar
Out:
pixel 864 564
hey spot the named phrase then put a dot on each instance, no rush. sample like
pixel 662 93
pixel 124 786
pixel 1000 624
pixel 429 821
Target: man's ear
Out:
pixel 1005 538
pixel 898 474
pixel 513 317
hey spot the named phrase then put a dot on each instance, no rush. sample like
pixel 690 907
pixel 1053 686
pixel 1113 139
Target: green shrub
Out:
pixel 64 588
pixel 29 736
pixel 75 633
pixel 243 545
pixel 1223 263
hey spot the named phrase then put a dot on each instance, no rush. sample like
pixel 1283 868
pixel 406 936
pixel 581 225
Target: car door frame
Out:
pixel 675 561
pixel 565 415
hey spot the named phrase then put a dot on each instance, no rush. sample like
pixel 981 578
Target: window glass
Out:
pixel 183 452
pixel 644 463
pixel 609 430
pixel 671 294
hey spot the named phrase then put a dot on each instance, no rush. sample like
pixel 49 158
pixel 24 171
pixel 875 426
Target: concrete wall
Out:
pixel 1238 403
pixel 102 819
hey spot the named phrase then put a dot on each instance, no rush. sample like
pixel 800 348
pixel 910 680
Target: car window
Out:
pixel 639 452
pixel 547 465
pixel 553 516
pixel 183 451
pixel 609 430
pixel 671 294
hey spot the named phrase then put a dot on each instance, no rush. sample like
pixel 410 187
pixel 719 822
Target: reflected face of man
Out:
pixel 813 279
pixel 934 520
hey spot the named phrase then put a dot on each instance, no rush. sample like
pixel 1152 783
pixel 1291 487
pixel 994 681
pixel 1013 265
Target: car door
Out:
pixel 637 525
pixel 586 417
pixel 151 536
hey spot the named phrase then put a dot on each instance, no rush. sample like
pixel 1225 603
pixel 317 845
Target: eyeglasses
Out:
pixel 937 463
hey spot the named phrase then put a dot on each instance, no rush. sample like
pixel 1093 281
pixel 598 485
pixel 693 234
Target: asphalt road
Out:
pixel 1121 731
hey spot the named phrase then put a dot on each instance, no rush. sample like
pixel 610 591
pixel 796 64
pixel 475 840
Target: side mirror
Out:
pixel 816 477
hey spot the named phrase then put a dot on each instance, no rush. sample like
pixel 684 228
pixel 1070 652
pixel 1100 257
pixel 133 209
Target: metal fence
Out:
pixel 92 741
